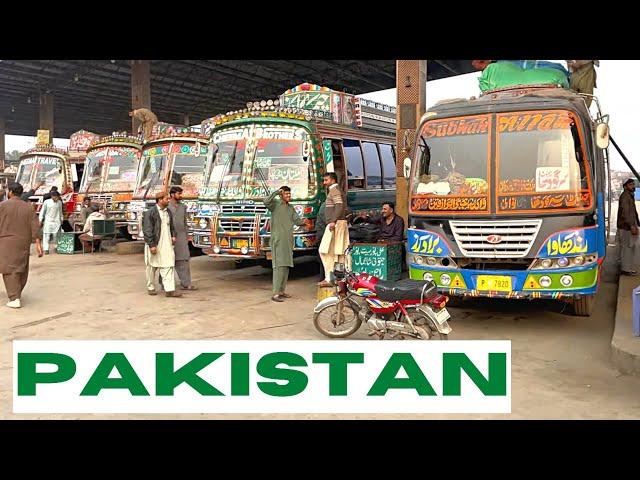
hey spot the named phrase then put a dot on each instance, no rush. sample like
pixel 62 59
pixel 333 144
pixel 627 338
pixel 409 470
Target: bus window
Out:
pixel 388 165
pixel 372 165
pixel 338 163
pixel 355 168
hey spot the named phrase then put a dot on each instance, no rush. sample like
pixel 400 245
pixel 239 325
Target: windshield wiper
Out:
pixel 225 171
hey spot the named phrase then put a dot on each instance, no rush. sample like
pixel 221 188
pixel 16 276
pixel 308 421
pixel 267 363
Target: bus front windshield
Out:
pixel 252 161
pixel 41 168
pixel 151 175
pixel 538 165
pixel 110 169
pixel 120 166
pixel 187 173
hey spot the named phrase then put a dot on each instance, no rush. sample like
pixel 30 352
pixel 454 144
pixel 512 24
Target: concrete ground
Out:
pixel 561 364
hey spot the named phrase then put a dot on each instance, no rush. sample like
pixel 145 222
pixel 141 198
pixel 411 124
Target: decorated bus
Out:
pixel 173 156
pixel 507 196
pixel 77 152
pixel 110 175
pixel 47 166
pixel 291 141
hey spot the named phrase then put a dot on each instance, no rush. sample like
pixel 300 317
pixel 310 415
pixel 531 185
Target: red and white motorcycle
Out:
pixel 407 308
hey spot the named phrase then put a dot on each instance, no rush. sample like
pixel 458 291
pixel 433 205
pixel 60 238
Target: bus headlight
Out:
pixel 418 259
pixel 566 280
pixel 445 279
pixel 216 249
pixel 244 250
pixel 579 260
pixel 563 261
pixel 431 261
pixel 78 207
pixel 545 281
pixel 546 263
pixel 203 223
pixel 428 277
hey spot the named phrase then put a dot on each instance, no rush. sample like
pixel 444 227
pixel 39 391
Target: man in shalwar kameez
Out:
pixel 19 227
pixel 283 218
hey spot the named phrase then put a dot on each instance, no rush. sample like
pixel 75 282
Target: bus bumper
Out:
pixel 523 283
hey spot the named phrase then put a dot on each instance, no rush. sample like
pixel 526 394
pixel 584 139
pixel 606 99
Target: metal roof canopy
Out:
pixel 95 95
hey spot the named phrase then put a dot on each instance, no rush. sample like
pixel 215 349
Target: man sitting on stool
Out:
pixel 391 225
pixel 88 238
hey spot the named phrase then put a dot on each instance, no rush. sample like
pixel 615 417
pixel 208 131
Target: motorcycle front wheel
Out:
pixel 337 320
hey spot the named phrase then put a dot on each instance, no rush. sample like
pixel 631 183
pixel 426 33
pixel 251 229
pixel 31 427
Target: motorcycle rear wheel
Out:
pixel 325 321
pixel 426 328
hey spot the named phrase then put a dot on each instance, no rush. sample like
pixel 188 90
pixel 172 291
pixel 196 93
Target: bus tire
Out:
pixel 583 306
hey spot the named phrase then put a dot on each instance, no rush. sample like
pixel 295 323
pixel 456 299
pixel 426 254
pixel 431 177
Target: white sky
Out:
pixel 615 90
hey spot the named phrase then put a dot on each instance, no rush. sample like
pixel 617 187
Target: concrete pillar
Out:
pixel 2 145
pixel 46 114
pixel 140 87
pixel 411 86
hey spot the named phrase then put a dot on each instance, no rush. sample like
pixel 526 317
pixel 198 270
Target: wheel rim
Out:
pixel 326 320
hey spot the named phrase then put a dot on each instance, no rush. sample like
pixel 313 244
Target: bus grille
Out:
pixel 244 209
pixel 515 237
pixel 243 226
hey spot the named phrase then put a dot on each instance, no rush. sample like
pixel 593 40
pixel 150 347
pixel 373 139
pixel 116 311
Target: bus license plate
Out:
pixel 241 242
pixel 494 283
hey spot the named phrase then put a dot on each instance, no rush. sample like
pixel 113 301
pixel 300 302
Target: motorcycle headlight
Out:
pixel 78 207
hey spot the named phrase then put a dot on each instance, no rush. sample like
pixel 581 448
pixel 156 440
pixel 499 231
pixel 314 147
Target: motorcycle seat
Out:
pixel 404 290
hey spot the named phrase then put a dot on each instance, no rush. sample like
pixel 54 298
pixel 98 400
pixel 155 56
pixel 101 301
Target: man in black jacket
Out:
pixel 159 238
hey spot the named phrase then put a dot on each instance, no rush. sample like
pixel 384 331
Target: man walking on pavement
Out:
pixel 179 213
pixel 283 218
pixel 159 238
pixel 19 227
pixel 51 217
pixel 628 228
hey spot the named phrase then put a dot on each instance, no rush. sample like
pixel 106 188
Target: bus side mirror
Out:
pixel 602 135
pixel 407 167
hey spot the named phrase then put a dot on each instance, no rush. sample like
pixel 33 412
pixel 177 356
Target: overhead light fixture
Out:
pixel 112 61
pixel 13 109
pixel 28 99
pixel 76 77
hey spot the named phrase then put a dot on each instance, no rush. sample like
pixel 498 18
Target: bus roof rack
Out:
pixel 116 137
pixel 521 88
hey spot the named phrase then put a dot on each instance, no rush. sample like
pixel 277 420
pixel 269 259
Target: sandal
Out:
pixel 285 295
pixel 190 287
pixel 277 298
